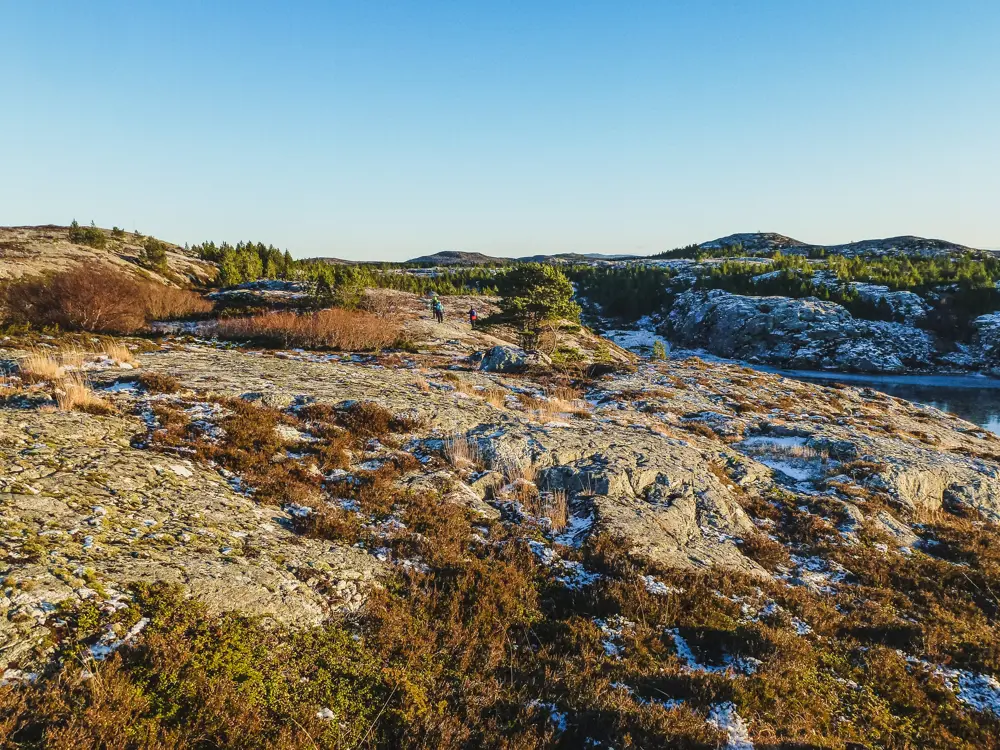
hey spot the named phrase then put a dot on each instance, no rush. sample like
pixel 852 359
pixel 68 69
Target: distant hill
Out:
pixel 575 258
pixel 765 243
pixel 27 251
pixel 458 258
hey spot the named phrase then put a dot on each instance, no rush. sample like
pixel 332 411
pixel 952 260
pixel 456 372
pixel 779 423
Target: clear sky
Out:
pixel 390 129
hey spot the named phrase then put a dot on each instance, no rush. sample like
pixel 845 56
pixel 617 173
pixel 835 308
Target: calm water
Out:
pixel 973 398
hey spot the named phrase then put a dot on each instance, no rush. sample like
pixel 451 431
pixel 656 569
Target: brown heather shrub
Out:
pixel 763 550
pixel 101 300
pixel 156 382
pixel 345 330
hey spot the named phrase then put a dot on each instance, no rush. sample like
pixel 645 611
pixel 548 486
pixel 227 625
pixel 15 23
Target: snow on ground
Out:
pixel 744 664
pixel 657 587
pixel 723 716
pixel 574 575
pixel 773 441
pixel 814 573
pixel 640 342
pixel 576 531
pixel 557 717
pixel 800 472
pixel 980 692
pixel 109 641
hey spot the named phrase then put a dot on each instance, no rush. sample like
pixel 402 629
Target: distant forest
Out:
pixel 958 288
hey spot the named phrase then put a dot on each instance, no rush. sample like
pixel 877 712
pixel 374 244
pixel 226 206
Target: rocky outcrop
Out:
pixel 987 338
pixel 904 307
pixel 657 493
pixel 503 359
pixel 83 511
pixel 797 333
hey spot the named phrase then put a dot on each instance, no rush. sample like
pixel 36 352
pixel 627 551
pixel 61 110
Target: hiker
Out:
pixel 438 310
pixel 434 304
pixel 473 317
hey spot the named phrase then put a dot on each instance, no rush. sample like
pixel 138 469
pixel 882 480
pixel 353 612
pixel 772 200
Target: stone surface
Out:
pixel 797 333
pixel 503 359
pixel 82 508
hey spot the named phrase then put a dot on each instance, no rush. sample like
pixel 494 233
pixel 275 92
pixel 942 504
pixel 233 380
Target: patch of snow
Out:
pixel 575 532
pixel 801 628
pixel 798 473
pixel 10 676
pixel 558 718
pixel 744 664
pixel 181 471
pixel 126 386
pixel 574 577
pixel 638 341
pixel 109 641
pixel 723 716
pixel 657 587
pixel 784 441
pixel 614 630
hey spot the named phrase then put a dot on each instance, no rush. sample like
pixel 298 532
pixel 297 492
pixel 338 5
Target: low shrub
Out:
pixel 91 235
pixel 345 330
pixel 156 382
pixel 100 300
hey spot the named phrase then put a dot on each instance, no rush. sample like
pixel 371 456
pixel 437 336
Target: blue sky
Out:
pixel 390 129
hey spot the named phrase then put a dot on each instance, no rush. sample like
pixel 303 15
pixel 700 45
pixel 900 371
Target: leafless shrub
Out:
pixel 95 299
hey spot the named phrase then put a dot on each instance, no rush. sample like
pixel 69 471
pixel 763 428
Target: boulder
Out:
pixel 504 359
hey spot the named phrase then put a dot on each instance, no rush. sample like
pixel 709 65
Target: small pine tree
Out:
pixel 91 235
pixel 531 293
pixel 154 255
pixel 229 268
pixel 659 351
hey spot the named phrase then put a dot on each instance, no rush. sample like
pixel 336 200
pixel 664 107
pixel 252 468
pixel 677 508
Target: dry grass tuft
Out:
pixel 514 472
pixel 496 396
pixel 74 394
pixel 552 505
pixel 118 352
pixel 38 366
pixel 345 330
pixel 462 451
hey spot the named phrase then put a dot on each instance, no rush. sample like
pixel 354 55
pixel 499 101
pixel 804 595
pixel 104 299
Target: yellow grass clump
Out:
pixel 40 365
pixel 74 394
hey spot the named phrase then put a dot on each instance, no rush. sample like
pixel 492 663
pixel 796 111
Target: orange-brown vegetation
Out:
pixel 95 299
pixel 346 330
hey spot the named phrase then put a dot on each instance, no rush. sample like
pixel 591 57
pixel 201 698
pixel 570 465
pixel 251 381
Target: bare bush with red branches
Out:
pixel 346 330
pixel 95 299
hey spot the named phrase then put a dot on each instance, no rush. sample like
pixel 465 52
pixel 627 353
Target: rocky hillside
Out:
pixel 35 250
pixel 766 243
pixel 458 546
